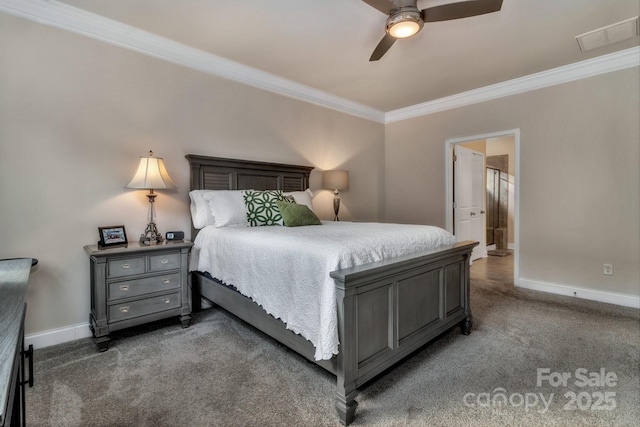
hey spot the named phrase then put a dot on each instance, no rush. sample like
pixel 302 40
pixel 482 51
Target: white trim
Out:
pixel 66 17
pixel 58 336
pixel 515 133
pixel 76 20
pixel 584 293
pixel 620 60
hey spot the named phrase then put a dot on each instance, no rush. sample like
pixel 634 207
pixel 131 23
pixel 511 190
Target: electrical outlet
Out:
pixel 607 269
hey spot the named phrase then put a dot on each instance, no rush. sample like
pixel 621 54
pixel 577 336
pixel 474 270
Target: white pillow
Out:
pixel 302 197
pixel 228 208
pixel 201 214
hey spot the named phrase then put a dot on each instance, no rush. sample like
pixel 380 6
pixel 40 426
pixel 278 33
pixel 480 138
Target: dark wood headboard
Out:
pixel 215 173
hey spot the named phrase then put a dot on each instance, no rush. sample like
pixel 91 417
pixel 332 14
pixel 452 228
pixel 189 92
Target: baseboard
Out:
pixel 58 336
pixel 584 293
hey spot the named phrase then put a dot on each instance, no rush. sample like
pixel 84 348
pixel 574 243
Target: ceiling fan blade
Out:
pixel 382 48
pixel 465 9
pixel 384 6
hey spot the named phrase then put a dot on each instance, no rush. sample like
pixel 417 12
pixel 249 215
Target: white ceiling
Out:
pixel 326 44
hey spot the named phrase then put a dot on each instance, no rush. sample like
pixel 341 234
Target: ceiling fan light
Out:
pixel 404 29
pixel 404 23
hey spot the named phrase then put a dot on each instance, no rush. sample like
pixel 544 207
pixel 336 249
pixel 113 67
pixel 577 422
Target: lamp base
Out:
pixel 151 235
pixel 336 205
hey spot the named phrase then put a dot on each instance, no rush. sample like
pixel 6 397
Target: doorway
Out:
pixel 503 226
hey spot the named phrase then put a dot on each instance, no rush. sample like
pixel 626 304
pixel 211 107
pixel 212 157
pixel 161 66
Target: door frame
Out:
pixel 449 143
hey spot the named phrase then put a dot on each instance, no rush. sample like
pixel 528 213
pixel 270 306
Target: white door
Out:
pixel 469 193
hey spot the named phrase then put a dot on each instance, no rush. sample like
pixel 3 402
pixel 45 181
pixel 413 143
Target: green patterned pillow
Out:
pixel 297 215
pixel 262 208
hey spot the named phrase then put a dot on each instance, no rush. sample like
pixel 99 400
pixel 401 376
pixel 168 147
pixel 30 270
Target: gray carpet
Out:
pixel 221 372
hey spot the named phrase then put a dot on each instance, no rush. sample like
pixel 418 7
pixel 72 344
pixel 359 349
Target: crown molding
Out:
pixel 69 18
pixel 620 60
pixel 66 17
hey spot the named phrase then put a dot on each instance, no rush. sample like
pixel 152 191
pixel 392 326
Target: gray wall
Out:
pixel 579 176
pixel 76 114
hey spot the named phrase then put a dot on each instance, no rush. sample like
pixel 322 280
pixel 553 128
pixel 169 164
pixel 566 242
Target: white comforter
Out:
pixel 286 269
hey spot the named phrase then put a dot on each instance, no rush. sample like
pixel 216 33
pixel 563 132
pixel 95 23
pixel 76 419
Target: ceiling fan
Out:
pixel 406 20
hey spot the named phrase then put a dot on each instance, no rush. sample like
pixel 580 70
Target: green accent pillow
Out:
pixel 262 208
pixel 296 215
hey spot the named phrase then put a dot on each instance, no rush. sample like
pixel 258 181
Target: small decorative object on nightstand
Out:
pixel 175 235
pixel 112 235
pixel 137 284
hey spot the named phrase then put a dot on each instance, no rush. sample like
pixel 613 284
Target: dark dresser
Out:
pixel 14 277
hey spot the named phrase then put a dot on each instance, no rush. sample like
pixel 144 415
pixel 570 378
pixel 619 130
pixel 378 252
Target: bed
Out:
pixel 385 309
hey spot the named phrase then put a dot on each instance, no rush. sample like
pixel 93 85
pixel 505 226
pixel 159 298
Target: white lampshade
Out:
pixel 151 174
pixel 336 180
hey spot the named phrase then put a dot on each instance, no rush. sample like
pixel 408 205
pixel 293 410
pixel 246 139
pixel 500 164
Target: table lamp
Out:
pixel 151 175
pixel 336 180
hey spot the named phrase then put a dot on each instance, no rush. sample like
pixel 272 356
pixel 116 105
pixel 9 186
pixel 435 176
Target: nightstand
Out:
pixel 137 284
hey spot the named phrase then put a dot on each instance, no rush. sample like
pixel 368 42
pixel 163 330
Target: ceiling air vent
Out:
pixel 614 33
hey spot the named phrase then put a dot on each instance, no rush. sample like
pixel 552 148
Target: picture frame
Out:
pixel 112 235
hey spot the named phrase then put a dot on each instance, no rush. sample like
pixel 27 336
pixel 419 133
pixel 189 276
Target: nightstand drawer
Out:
pixel 121 267
pixel 132 288
pixel 162 262
pixel 144 306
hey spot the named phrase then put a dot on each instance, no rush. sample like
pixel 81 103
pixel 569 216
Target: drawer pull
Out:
pixel 166 281
pixel 164 261
pixel 124 287
pixel 29 355
pixel 125 266
pixel 124 309
pixel 166 300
